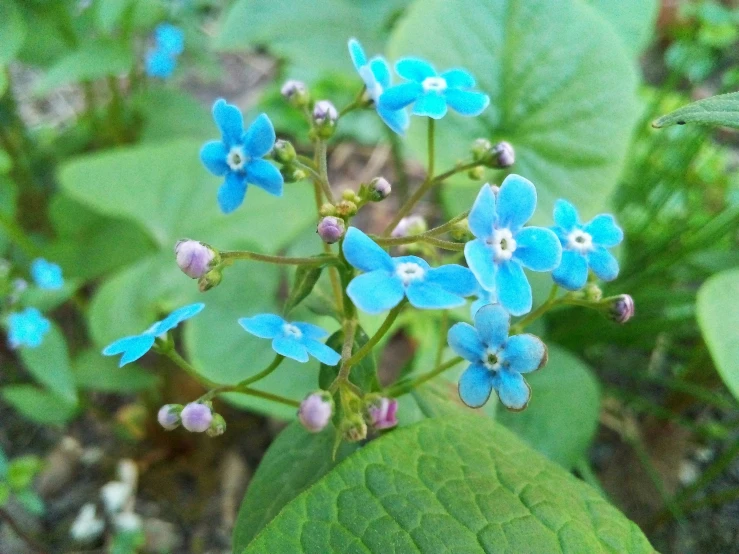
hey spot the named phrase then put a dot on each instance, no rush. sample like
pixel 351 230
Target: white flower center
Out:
pixel 292 331
pixel 491 359
pixel 436 84
pixel 580 241
pixel 236 158
pixel 409 271
pixel 503 244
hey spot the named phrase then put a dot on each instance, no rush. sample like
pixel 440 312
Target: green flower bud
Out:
pixel 379 189
pixel 327 210
pixel 211 279
pixel 476 173
pixel 480 149
pixel 354 429
pixel 345 208
pixel 348 194
pixel 217 426
pixel 325 117
pixel 592 292
pixel 284 151
pixel 460 231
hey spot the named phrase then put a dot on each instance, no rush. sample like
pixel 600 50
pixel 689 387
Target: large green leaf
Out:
pixel 295 461
pixel 562 91
pixel 718 317
pixel 633 20
pixel 95 372
pixel 451 484
pixel 49 364
pixel 722 110
pixel 563 414
pixel 39 405
pixel 12 31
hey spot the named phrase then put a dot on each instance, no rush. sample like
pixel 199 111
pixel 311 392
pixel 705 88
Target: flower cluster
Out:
pixel 169 43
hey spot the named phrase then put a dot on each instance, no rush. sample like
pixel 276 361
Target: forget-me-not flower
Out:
pixel 136 346
pixel 497 360
pixel 169 43
pixel 27 328
pixel 431 93
pixel 46 275
pixel 387 280
pixel 584 246
pixel 293 340
pixel 503 246
pixel 238 156
pixel 484 297
pixel 376 76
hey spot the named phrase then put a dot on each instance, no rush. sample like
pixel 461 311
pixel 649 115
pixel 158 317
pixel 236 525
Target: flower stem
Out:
pixel 358 102
pixel 333 273
pixel 381 332
pixel 404 388
pixel 321 155
pixel 262 374
pixel 538 312
pixel 440 230
pixel 173 355
pixel 281 260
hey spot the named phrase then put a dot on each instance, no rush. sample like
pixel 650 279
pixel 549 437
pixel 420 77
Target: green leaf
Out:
pixel 721 110
pixel 306 278
pixel 4 493
pixel 95 372
pixel 22 471
pixel 562 416
pixel 567 110
pixel 168 113
pixel 49 364
pixel 39 405
pixel 295 461
pixel 633 20
pixel 451 484
pixel 718 317
pixel 31 501
pixel 3 465
pixel 12 31
pixel 110 12
pixel 362 374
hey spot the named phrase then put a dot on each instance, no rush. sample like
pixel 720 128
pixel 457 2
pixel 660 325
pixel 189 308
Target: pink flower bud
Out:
pixel 194 258
pixel 169 416
pixel 379 189
pixel 411 225
pixel 294 90
pixel 324 112
pixel 330 229
pixel 196 417
pixel 384 413
pixel 315 411
pixel 621 308
pixel 503 155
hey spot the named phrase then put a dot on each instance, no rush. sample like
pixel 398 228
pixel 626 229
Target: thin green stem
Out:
pixel 333 273
pixel 281 260
pixel 173 355
pixel 550 302
pixel 444 244
pixel 322 156
pixel 443 329
pixel 381 332
pixel 350 328
pixel 315 177
pixel 262 374
pixel 358 102
pixel 430 138
pixel 440 230
pixel 266 395
pixel 404 388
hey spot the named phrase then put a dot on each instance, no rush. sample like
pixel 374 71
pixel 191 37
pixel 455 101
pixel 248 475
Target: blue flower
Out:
pixel 46 274
pixel 584 246
pixel 160 64
pixel 503 246
pixel 484 297
pixel 293 340
pixel 376 76
pixel 431 92
pixel 497 360
pixel 169 38
pixel 27 328
pixel 135 346
pixel 387 280
pixel 238 156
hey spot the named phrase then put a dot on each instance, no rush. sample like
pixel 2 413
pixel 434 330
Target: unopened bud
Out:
pixel 211 279
pixel 346 208
pixel 620 308
pixel 292 174
pixel 295 92
pixel 195 258
pixel 384 413
pixel 330 229
pixel 284 151
pixel 327 210
pixel 348 194
pixel 379 189
pixel 481 149
pixel 503 155
pixel 354 429
pixel 411 225
pixel 196 417
pixel 592 292
pixel 217 426
pixel 169 416
pixel 324 112
pixel 477 173
pixel 315 411
pixel 460 231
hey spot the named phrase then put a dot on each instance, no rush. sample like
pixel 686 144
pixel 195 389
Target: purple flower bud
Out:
pixel 315 411
pixel 503 155
pixel 295 91
pixel 330 229
pixel 621 308
pixel 194 258
pixel 384 413
pixel 325 113
pixel 169 416
pixel 411 225
pixel 379 189
pixel 196 417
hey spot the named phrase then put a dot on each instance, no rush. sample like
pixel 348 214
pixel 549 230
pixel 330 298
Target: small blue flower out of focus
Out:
pixel 387 280
pixel 497 360
pixel 503 246
pixel 27 328
pixel 238 156
pixel 169 44
pixel 431 93
pixel 584 246
pixel 376 76
pixel 293 340
pixel 135 346
pixel 46 274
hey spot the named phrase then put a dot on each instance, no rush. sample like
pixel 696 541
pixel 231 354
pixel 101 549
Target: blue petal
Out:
pixel 431 104
pixel 565 215
pixel 290 348
pixel 376 291
pixel 492 323
pixel 311 332
pixel 265 326
pixel 516 202
pixel 132 348
pixel 458 78
pixel 169 38
pixel 603 264
pixel 397 120
pixel 426 296
pixel 259 137
pixel 572 272
pixel 47 275
pixel 213 155
pixel 466 102
pixel 513 390
pixel 524 353
pixel 381 71
pixel 480 261
pixel 412 260
pixel 453 278
pixel 400 96
pixel 264 175
pixel 464 339
pixel 484 297
pixel 537 249
pixel 475 385
pixel 514 290
pixel 357 53
pixel 414 69
pixel 231 193
pixel 363 253
pixel 229 121
pixel 482 215
pixel 605 231
pixel 322 353
pixel 160 63
pixel 177 317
